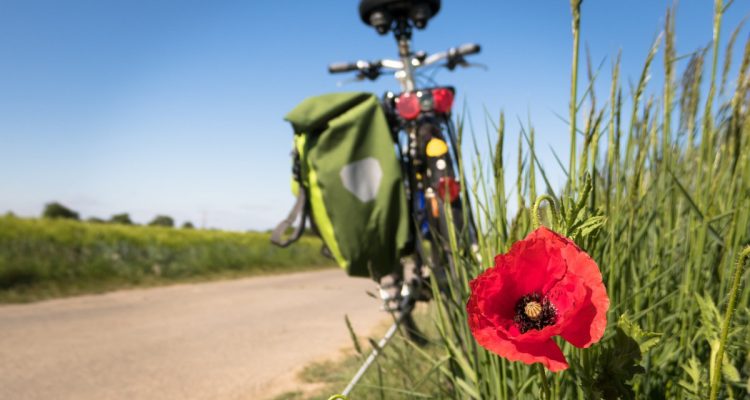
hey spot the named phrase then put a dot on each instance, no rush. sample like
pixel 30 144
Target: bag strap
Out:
pixel 299 210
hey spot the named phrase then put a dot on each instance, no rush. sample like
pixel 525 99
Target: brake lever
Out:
pixel 454 61
pixel 476 65
pixel 463 63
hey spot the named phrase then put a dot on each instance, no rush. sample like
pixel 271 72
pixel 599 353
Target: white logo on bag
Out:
pixel 362 178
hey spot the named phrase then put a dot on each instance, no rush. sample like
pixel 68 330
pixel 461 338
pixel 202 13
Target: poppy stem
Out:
pixel 738 270
pixel 536 220
pixel 545 384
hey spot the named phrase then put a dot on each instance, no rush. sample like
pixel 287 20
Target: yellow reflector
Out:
pixel 436 148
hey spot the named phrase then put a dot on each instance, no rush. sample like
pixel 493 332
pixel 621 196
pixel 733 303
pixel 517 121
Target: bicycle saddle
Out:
pixel 381 13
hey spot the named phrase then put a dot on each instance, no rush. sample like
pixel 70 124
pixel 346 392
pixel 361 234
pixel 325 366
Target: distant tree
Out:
pixel 123 218
pixel 57 210
pixel 95 220
pixel 162 220
pixel 188 225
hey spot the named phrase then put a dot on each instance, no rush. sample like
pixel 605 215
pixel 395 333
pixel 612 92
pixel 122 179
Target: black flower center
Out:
pixel 534 312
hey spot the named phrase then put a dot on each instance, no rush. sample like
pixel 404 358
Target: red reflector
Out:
pixel 407 105
pixel 443 100
pixel 453 187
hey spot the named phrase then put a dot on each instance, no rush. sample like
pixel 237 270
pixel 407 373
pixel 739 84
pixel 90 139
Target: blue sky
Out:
pixel 176 107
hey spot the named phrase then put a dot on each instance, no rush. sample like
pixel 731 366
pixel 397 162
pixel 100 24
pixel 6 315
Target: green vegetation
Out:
pixel 664 208
pixel 658 194
pixel 122 218
pixel 162 220
pixel 41 258
pixel 392 372
pixel 56 210
pixel 663 205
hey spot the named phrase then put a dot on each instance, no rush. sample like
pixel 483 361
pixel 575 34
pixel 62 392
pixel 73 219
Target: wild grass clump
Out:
pixel 393 375
pixel 664 209
pixel 658 193
pixel 45 258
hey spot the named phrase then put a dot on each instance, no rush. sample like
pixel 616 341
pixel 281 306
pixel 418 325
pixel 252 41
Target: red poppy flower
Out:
pixel 543 287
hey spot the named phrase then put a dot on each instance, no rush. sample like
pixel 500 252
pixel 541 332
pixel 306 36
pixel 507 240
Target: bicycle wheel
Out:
pixel 448 216
pixel 426 166
pixel 429 167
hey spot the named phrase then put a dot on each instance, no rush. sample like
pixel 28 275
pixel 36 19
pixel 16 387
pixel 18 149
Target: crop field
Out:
pixel 41 258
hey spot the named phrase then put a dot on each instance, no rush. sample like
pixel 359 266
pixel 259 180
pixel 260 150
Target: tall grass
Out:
pixel 665 217
pixel 45 258
pixel 664 209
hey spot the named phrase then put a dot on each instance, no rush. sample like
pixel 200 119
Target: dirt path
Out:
pixel 242 339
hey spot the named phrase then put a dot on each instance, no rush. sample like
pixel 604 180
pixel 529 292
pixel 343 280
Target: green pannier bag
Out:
pixel 347 179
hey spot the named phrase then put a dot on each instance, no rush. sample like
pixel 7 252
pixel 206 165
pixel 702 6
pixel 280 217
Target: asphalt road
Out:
pixel 240 339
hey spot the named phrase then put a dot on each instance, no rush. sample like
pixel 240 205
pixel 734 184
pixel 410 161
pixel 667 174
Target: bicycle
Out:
pixel 425 136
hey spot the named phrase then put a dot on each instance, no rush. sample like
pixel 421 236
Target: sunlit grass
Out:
pixel 675 202
pixel 659 195
pixel 395 374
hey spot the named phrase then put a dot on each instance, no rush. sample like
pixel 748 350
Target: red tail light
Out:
pixel 443 100
pixel 407 106
pixel 448 185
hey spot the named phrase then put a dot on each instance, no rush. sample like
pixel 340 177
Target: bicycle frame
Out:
pixel 419 176
pixel 406 74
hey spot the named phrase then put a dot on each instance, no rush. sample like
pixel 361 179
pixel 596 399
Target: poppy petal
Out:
pixel 534 264
pixel 580 334
pixel 547 352
pixel 492 299
pixel 590 321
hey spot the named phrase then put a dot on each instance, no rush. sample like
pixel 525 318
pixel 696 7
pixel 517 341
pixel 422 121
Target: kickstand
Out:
pixel 374 354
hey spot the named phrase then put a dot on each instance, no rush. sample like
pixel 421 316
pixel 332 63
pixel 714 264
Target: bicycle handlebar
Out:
pixel 468 49
pixel 453 55
pixel 336 68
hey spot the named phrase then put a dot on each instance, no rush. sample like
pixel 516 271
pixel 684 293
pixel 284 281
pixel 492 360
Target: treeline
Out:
pixel 57 210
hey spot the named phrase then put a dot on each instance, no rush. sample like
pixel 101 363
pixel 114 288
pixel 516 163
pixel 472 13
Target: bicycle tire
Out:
pixel 444 166
pixel 440 258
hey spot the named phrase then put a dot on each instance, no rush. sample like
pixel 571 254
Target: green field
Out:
pixel 42 258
